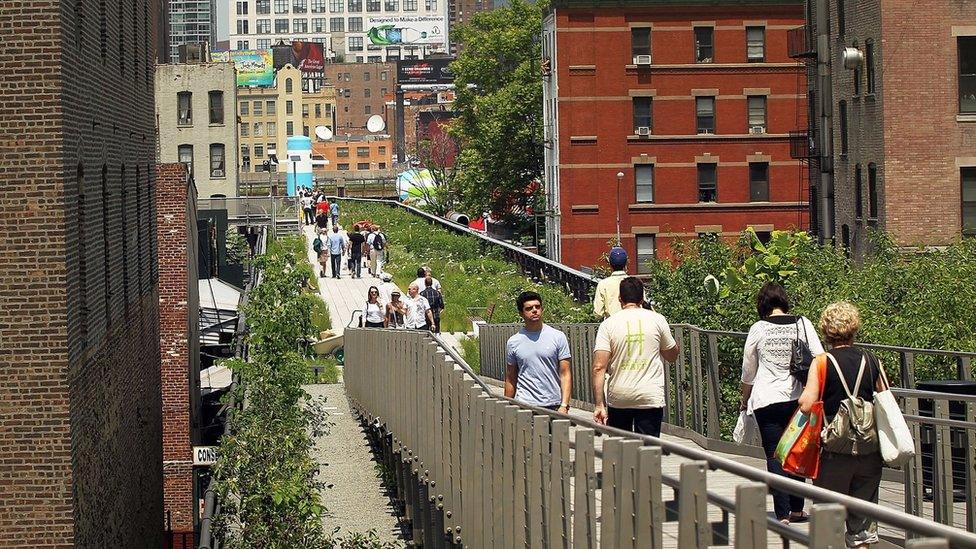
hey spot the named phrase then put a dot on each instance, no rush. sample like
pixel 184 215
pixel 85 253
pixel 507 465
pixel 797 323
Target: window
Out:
pixel 858 198
pixel 305 110
pixel 382 165
pixel 355 6
pixel 336 6
pixel 409 5
pixel 258 129
pixel 842 114
pixel 366 77
pixel 362 151
pixel 362 166
pixel 343 166
pixel 264 26
pixel 299 6
pixel 705 114
pixel 755 44
pixel 840 17
pixel 430 5
pixel 216 107
pixel 184 108
pixel 869 61
pixel 758 182
pixel 367 93
pixel 216 160
pixel 281 6
pixel 281 26
pixel 703 44
pixel 242 8
pixel 264 43
pixel 642 113
pixel 373 6
pixel 185 156
pixel 872 191
pixel 355 43
pixel 355 25
pixel 644 181
pixel 383 77
pixel 383 92
pixel 272 129
pixel 392 5
pixel 289 129
pixel 757 112
pixel 857 75
pixel 258 150
pixel 318 6
pixel 242 27
pixel 244 107
pixel 967 74
pixel 300 26
pixel 263 7
pixel 646 251
pixel 968 177
pixel 342 152
pixel 258 108
pixel 707 183
pixel 382 150
pixel 845 238
pixel 368 109
pixel 271 108
pixel 337 24
pixel 245 130
pixel 640 42
pixel 319 24
pixel 288 86
pixel 305 131
pixel 318 110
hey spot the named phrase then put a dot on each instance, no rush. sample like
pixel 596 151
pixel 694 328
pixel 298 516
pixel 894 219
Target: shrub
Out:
pixel 471 353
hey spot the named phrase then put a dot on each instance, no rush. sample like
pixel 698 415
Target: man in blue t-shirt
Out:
pixel 337 247
pixel 538 370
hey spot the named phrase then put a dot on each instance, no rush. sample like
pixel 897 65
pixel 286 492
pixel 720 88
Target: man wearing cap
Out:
pixel 606 301
pixel 387 288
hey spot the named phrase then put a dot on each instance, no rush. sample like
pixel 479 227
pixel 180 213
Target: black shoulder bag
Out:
pixel 800 355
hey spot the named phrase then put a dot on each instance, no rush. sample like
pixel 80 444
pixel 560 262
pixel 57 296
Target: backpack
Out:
pixel 800 355
pixel 317 245
pixel 379 242
pixel 852 431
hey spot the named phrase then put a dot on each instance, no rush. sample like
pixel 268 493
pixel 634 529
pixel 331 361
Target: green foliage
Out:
pixel 325 370
pixel 471 353
pixel 237 248
pixel 472 275
pixel 499 123
pixel 358 540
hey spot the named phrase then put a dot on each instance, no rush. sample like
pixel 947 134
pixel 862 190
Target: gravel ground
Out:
pixel 356 502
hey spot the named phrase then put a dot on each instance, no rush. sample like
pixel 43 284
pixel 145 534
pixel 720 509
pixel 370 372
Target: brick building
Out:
pixel 691 102
pixel 360 91
pixel 896 149
pixel 352 158
pixel 79 328
pixel 179 339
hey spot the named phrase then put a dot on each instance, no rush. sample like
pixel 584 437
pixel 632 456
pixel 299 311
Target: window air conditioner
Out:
pixel 757 129
pixel 217 173
pixel 705 131
pixel 642 60
pixel 643 131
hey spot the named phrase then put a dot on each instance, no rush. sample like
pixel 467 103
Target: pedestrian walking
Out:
pixel 307 208
pixel 538 370
pixel 322 214
pixel 396 311
pixel 373 316
pixel 387 288
pixel 321 248
pixel 606 299
pixel 334 212
pixel 628 356
pixel 422 274
pixel 851 465
pixel 436 301
pixel 337 247
pixel 357 242
pixel 419 316
pixel 377 250
pixel 769 392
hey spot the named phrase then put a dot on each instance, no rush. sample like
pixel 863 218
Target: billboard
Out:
pixel 395 30
pixel 424 71
pixel 305 56
pixel 254 67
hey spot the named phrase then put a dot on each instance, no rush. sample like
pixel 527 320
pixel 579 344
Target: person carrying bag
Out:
pixel 894 437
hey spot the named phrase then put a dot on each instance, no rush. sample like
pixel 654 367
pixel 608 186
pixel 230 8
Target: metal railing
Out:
pixel 474 469
pixel 254 207
pixel 942 471
pixel 576 283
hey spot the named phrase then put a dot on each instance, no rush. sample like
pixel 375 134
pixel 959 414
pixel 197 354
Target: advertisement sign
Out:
pixel 395 30
pixel 424 71
pixel 305 56
pixel 204 455
pixel 254 67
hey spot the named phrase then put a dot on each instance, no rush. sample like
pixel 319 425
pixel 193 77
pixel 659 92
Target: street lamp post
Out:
pixel 620 176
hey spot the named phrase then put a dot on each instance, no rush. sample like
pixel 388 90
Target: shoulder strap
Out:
pixel 860 374
pixel 840 374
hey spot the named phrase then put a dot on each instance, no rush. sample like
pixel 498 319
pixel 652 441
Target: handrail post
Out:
pixel 827 527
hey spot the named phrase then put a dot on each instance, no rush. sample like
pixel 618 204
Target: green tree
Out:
pixel 499 123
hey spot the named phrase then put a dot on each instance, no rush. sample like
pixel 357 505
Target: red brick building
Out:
pixel 691 102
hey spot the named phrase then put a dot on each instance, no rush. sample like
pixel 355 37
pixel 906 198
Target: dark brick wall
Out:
pixel 80 426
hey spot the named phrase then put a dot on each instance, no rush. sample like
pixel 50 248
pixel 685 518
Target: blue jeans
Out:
pixel 772 421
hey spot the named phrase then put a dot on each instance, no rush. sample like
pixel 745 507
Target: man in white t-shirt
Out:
pixel 629 353
pixel 419 315
pixel 422 274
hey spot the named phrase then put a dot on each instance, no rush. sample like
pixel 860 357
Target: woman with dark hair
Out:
pixel 769 392
pixel 373 313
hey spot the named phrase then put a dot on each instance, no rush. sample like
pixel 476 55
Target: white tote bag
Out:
pixel 894 436
pixel 746 430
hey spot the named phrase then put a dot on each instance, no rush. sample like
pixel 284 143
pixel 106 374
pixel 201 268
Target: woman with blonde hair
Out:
pixel 849 378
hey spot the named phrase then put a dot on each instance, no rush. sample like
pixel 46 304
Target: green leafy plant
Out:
pixel 471 353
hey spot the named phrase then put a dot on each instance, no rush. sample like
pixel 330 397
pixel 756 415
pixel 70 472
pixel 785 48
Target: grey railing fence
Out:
pixel 576 283
pixel 940 483
pixel 474 469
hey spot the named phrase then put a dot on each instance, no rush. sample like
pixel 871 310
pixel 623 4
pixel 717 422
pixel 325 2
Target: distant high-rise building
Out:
pixel 191 21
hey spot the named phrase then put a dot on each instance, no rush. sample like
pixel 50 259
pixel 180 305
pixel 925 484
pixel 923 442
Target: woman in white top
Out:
pixel 373 314
pixel 769 392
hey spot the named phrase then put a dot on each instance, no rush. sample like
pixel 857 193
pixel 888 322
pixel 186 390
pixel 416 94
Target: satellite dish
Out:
pixel 375 124
pixel 323 133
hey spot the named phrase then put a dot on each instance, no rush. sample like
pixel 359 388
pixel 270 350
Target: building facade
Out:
pixel 354 157
pixel 361 89
pixel 79 329
pixel 674 119
pixel 881 161
pixel 341 26
pixel 191 21
pixel 461 11
pixel 195 108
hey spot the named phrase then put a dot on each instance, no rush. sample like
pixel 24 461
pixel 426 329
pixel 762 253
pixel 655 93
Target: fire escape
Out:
pixel 803 144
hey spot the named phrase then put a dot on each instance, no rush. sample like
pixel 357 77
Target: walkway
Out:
pixel 353 495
